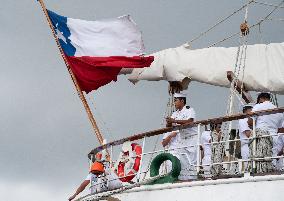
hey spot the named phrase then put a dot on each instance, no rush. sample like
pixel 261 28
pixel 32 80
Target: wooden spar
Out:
pixel 244 93
pixel 79 91
pixel 169 129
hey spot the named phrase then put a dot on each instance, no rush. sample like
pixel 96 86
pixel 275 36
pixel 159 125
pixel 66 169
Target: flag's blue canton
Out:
pixel 63 32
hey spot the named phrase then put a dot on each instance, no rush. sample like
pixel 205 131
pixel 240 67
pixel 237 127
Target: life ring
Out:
pixel 155 167
pixel 129 162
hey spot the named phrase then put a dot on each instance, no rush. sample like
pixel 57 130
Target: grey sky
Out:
pixel 44 130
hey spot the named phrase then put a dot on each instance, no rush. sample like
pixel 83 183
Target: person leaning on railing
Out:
pixel 184 115
pixel 99 179
pixel 265 125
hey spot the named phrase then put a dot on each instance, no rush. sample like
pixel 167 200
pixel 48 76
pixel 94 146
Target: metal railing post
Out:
pixel 198 149
pixel 253 145
pixel 90 161
pixel 111 155
pixel 141 161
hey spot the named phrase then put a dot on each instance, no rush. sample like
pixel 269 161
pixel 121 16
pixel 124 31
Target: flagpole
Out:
pixel 79 91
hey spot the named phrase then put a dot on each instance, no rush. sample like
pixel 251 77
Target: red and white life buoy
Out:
pixel 129 162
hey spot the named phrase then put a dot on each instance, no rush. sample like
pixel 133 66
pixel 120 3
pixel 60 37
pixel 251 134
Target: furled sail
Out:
pixel 264 66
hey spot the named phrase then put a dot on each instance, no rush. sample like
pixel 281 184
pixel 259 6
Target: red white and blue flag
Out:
pixel 97 50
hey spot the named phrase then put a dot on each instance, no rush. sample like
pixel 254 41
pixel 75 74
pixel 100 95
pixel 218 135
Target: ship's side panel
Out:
pixel 218 191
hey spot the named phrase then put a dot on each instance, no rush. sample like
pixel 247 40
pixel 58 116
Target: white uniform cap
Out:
pixel 264 92
pixel 246 105
pixel 179 95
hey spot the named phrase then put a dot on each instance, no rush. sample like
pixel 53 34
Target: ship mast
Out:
pixel 75 82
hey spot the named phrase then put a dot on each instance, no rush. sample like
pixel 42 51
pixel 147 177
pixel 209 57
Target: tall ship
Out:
pixel 96 52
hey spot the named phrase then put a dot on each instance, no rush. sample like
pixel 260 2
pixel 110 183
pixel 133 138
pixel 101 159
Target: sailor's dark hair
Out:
pixel 182 98
pixel 213 126
pixel 263 95
pixel 245 108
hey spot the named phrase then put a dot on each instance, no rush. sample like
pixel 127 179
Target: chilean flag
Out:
pixel 97 50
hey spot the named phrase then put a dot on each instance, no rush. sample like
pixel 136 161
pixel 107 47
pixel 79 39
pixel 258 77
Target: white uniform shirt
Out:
pixel 270 122
pixel 174 142
pixel 243 126
pixel 185 114
pixel 205 138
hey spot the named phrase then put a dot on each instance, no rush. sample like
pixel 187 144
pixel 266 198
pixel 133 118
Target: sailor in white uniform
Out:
pixel 245 133
pixel 266 125
pixel 188 137
pixel 100 178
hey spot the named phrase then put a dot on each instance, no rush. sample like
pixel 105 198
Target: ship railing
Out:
pixel 239 160
pixel 95 195
pixel 104 194
pixel 215 163
pixel 180 127
pixel 158 132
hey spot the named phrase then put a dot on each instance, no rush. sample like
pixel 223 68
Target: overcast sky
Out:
pixel 44 131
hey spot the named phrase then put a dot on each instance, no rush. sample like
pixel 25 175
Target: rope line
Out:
pixel 253 26
pixel 239 67
pixel 90 100
pixel 275 19
pixel 267 4
pixel 221 21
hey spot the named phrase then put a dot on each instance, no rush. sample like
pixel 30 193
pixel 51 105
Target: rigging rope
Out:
pixel 221 21
pixel 239 67
pixel 276 19
pixel 250 27
pixel 99 115
pixel 274 99
pixel 244 64
pixel 267 4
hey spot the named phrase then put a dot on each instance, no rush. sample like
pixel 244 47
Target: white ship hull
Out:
pixel 258 188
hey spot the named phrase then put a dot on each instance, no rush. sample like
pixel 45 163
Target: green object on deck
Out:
pixel 156 164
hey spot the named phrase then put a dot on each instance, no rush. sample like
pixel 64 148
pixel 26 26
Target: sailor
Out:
pixel 99 179
pixel 245 133
pixel 265 125
pixel 188 137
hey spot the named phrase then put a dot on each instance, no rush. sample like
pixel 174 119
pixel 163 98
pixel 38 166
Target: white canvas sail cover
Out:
pixel 264 68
